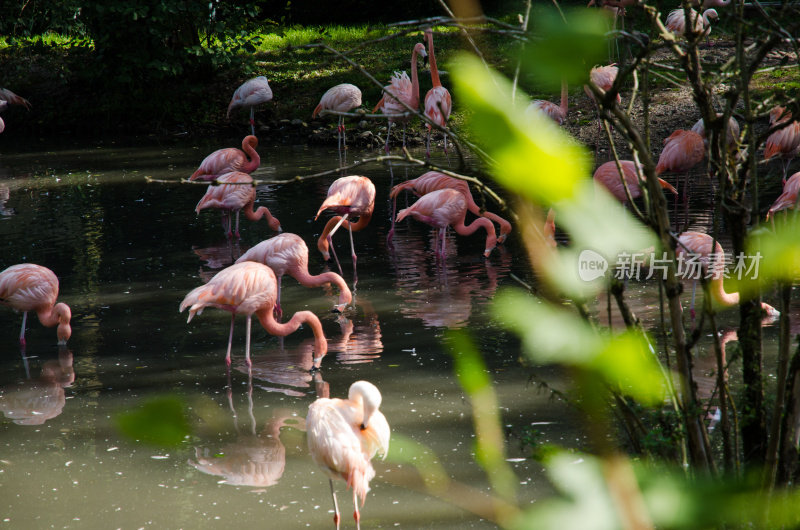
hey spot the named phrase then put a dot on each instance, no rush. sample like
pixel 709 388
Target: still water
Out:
pixel 126 252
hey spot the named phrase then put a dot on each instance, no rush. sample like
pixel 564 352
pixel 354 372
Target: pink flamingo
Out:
pixel 405 90
pixel 557 113
pixel 676 21
pixel 682 151
pixel 344 435
pixel 229 159
pixel 787 199
pixel 28 287
pixel 549 229
pixel 438 103
pixel 731 131
pixel 448 207
pixel 783 143
pixel 251 93
pixel 249 288
pixel 352 196
pixel 603 78
pixel 700 246
pixel 234 194
pixel 432 181
pixel 288 254
pixel 608 177
pixel 341 98
pixel 7 97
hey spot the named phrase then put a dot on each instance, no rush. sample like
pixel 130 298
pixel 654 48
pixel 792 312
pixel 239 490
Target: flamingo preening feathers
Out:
pixel 405 90
pixel 343 437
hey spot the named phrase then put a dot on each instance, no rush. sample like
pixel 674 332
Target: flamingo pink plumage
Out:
pixel 700 245
pixel 229 159
pixel 432 181
pixel 557 113
pixel 676 21
pixel 341 98
pixel 448 207
pixel 787 199
pixel 251 93
pixel 343 437
pixel 236 193
pixel 608 176
pixel 603 78
pixel 682 151
pixel 29 287
pixel 288 254
pixel 783 143
pixel 438 102
pixel 731 131
pixel 250 288
pixel 351 196
pixel 403 89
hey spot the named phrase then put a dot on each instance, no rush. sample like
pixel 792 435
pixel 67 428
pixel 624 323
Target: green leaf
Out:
pixel 566 50
pixel 532 155
pixel 777 253
pixel 552 335
pixel 160 421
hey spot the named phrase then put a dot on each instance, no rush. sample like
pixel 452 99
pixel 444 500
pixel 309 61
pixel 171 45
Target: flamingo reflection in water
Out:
pixel 217 257
pixel 442 294
pixel 288 370
pixel 256 458
pixel 5 194
pixel 34 401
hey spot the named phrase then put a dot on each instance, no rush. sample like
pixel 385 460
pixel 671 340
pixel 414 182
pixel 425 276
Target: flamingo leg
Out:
pixel 388 134
pixel 336 517
pixel 247 343
pixel 333 253
pixel 230 341
pixel 356 513
pixel 404 135
pixel 353 255
pixel 253 121
pixel 237 224
pixel 428 144
pixel 691 309
pixel 278 310
pixel 786 164
pixel 22 330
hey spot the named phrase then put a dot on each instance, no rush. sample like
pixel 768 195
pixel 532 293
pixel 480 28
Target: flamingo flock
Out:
pixel 344 435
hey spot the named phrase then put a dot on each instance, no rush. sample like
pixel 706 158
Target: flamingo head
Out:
pixel 710 14
pixel 64 331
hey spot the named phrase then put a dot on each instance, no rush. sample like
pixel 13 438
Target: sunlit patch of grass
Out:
pixel 49 39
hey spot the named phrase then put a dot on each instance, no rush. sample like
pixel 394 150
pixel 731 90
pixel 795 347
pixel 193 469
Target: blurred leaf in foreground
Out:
pixel 160 421
pixel 552 335
pixel 776 254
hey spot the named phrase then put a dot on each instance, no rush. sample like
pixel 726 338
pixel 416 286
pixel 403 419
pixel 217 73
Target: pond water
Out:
pixel 127 252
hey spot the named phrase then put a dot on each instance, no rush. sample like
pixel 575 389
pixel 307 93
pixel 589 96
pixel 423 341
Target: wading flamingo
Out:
pixel 234 194
pixel 682 151
pixel 557 113
pixel 787 199
pixel 229 159
pixel 405 90
pixel 676 21
pixel 731 131
pixel 7 97
pixel 251 288
pixel 438 103
pixel 28 287
pixel 341 98
pixel 288 254
pixel 700 245
pixel 608 176
pixel 432 181
pixel 352 196
pixel 343 437
pixel 783 143
pixel 448 207
pixel 251 93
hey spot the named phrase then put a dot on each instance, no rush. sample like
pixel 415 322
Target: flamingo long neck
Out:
pixel 254 215
pixel 60 315
pixel 480 222
pixel 472 206
pixel 720 296
pixel 432 59
pixel 414 81
pixel 363 221
pixel 564 97
pixel 274 327
pixel 249 148
pixel 308 280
